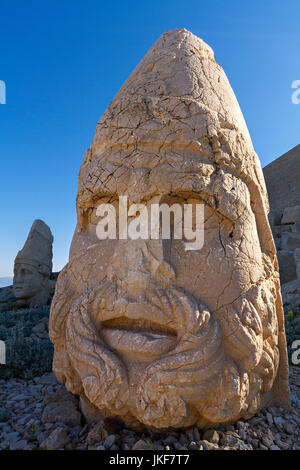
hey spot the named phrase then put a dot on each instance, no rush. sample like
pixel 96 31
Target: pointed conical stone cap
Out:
pixel 177 99
pixel 37 250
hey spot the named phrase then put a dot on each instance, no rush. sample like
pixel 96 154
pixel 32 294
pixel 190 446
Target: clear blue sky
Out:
pixel 63 61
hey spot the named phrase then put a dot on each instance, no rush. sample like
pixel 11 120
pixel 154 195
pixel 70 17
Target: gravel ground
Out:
pixel 41 414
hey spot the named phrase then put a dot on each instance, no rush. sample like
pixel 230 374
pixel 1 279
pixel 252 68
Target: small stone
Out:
pixel 178 446
pixel 84 430
pixel 97 434
pixel 262 447
pixel 240 425
pixel 169 440
pixel 267 439
pixel 274 447
pixel 193 446
pixel 56 440
pixel 278 421
pixel 294 399
pixel 19 397
pixel 211 436
pixel 4 414
pixel 70 446
pixel 273 410
pixel 208 445
pixel 255 443
pixel 243 434
pixel 41 437
pixel 140 445
pixel 74 432
pixel 190 434
pixel 232 440
pixel 64 412
pixel 109 441
pixel 155 446
pixel 101 447
pixel 197 436
pixel 11 436
pixel 46 379
pixel 39 329
pixel 282 445
pixel 19 445
pixel 269 419
pixel 23 420
pixel 183 439
pixel 130 440
pixel 255 421
pixel 288 427
pixel 59 396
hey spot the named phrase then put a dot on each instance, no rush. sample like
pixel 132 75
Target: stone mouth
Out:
pixel 19 288
pixel 140 339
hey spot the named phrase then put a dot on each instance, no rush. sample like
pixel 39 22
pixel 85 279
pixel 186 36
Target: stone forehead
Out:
pixel 34 263
pixel 175 114
pixel 144 174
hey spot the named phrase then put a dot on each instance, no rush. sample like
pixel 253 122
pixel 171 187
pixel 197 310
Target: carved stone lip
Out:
pixel 143 344
pixel 18 288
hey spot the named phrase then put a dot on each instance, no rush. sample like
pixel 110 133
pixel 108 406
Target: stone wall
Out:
pixel 287 240
pixel 283 183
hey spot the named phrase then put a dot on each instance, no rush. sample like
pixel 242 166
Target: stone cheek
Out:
pixel 143 329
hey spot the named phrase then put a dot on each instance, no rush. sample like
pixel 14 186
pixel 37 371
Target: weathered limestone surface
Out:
pixel 144 330
pixel 33 266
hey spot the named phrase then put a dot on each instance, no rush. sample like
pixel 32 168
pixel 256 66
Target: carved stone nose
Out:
pixel 136 262
pixel 130 266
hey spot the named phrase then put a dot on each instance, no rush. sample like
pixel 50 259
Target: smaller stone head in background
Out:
pixel 33 266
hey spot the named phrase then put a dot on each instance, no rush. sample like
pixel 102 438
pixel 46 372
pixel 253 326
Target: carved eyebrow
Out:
pixel 87 198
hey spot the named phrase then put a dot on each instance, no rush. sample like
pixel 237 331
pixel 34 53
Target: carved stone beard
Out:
pixel 215 372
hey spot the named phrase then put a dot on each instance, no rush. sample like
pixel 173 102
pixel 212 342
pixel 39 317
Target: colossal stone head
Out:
pixel 143 329
pixel 33 266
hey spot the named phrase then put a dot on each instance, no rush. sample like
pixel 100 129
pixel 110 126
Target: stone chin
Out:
pixel 165 361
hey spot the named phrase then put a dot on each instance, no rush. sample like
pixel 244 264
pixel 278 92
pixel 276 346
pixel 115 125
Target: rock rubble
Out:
pixel 40 414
